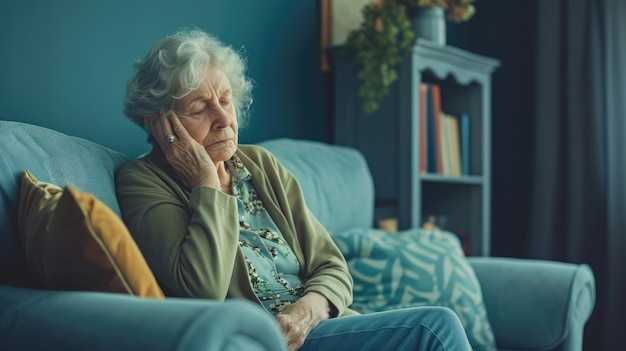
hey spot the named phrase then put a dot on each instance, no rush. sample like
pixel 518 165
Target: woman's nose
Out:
pixel 221 119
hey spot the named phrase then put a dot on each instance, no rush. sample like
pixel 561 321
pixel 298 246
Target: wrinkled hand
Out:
pixel 298 319
pixel 187 157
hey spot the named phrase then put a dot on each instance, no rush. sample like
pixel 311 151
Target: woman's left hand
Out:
pixel 298 319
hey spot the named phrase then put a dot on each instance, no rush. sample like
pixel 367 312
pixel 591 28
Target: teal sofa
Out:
pixel 531 304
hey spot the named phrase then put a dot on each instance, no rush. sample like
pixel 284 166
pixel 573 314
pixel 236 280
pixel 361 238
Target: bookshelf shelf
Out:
pixel 390 139
pixel 476 180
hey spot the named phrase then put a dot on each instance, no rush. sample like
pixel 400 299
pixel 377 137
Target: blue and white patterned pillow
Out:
pixel 415 268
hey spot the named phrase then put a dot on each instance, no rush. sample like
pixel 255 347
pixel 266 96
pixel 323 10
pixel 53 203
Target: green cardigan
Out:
pixel 190 240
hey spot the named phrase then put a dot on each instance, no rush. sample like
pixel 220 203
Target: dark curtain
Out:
pixel 578 198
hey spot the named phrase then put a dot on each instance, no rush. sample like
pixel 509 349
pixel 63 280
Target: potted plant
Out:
pixel 456 10
pixel 386 36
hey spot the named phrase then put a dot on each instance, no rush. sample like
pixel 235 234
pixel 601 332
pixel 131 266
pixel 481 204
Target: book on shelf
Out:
pixel 431 152
pixel 445 143
pixel 433 137
pixel 465 144
pixel 450 144
pixel 436 102
pixel 423 101
pixel 455 144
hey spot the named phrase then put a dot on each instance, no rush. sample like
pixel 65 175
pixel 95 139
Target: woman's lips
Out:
pixel 220 143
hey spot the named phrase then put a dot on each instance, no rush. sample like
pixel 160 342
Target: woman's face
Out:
pixel 209 115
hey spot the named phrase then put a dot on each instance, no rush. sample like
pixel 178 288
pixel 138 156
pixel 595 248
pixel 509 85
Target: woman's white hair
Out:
pixel 175 66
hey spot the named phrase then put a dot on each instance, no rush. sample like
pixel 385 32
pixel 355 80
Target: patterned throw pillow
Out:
pixel 415 268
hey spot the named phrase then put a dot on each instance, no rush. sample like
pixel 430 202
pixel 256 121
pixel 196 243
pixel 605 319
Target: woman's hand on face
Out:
pixel 187 157
pixel 298 319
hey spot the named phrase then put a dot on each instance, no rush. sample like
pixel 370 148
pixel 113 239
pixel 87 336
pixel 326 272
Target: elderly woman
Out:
pixel 218 220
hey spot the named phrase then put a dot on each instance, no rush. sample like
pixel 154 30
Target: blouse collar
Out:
pixel 237 169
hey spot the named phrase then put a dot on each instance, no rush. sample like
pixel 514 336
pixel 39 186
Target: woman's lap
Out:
pixel 416 328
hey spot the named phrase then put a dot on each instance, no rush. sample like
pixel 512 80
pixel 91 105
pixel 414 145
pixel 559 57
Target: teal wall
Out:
pixel 64 64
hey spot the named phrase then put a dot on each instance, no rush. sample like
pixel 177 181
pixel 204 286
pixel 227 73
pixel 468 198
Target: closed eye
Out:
pixel 225 101
pixel 206 108
pixel 226 98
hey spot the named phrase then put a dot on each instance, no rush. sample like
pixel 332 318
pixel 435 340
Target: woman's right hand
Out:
pixel 187 156
pixel 298 319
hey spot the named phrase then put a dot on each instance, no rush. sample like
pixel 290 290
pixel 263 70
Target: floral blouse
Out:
pixel 272 267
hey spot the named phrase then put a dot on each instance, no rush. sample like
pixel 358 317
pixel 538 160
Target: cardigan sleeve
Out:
pixel 326 270
pixel 190 244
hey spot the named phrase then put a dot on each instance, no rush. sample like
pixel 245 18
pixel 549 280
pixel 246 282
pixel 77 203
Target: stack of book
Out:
pixel 444 137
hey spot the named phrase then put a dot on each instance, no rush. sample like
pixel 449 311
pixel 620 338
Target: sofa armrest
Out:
pixel 55 320
pixel 535 304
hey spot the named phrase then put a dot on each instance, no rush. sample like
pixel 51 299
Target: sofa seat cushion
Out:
pixel 73 241
pixel 415 268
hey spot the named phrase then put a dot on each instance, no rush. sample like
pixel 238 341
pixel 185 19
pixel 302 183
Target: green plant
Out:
pixel 385 38
pixel 381 42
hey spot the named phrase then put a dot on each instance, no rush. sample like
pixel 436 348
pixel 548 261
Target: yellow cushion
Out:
pixel 73 241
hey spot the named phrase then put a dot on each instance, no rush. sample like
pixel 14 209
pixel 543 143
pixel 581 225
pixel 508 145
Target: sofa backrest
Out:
pixel 336 181
pixel 52 157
